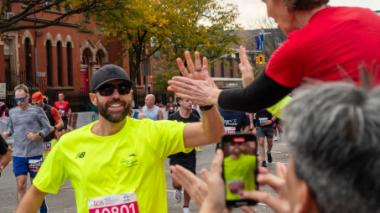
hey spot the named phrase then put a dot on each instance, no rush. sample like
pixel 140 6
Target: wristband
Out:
pixel 206 107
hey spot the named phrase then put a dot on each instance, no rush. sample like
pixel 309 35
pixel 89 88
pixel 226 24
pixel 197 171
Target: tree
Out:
pixel 27 16
pixel 170 27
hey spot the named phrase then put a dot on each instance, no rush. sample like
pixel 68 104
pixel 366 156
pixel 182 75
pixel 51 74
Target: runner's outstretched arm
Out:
pixel 32 201
pixel 209 130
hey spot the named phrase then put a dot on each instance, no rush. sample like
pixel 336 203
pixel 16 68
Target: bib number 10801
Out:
pixel 122 208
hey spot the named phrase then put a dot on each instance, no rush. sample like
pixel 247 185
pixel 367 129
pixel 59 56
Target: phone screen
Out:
pixel 239 167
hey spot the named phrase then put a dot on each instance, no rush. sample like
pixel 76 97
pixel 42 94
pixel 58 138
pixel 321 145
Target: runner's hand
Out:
pixel 33 136
pixel 279 203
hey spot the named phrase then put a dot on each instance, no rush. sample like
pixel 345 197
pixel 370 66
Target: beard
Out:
pixel 114 117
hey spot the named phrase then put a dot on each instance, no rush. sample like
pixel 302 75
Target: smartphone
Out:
pixel 240 168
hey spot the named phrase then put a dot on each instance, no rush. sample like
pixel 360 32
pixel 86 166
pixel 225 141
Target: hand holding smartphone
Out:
pixel 239 167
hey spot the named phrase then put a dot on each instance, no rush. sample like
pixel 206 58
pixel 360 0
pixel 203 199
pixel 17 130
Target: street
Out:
pixel 64 201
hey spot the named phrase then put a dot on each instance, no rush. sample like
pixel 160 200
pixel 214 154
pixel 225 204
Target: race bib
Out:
pixel 34 164
pixel 47 146
pixel 229 130
pixel 123 203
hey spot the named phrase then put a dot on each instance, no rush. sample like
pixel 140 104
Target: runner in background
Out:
pixel 150 110
pixel 55 121
pixel 64 110
pixel 29 125
pixel 187 160
pixel 264 130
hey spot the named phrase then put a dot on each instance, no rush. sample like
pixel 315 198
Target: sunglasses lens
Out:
pixel 18 100
pixel 106 89
pixel 123 89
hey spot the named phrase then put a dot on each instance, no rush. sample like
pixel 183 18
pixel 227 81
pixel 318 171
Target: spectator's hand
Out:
pixel 199 91
pixel 279 203
pixel 197 71
pixel 209 192
pixel 245 67
pixel 195 186
pixel 33 136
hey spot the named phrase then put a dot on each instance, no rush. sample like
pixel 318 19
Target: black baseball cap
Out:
pixel 106 74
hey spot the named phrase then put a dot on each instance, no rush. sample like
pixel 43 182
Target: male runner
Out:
pixel 188 160
pixel 54 118
pixel 117 163
pixel 150 110
pixel 29 126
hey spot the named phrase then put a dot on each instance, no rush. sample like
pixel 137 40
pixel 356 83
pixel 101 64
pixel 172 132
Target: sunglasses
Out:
pixel 19 100
pixel 108 89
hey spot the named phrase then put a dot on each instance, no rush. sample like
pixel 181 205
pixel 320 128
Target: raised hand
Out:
pixel 245 67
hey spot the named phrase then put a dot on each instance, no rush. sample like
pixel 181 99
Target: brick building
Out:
pixel 59 58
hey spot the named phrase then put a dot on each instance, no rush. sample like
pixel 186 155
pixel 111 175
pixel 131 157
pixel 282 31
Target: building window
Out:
pixel 59 63
pixel 69 59
pixel 49 63
pixel 28 61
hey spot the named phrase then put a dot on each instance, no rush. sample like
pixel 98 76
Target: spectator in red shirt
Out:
pixel 63 109
pixel 324 43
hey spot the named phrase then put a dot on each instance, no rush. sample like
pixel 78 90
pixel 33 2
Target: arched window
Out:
pixel 69 58
pixel 49 63
pixel 59 63
pixel 28 60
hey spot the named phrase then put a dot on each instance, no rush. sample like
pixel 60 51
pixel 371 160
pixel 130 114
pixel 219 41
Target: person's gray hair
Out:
pixel 334 133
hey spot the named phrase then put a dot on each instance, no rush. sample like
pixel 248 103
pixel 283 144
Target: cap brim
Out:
pixel 111 79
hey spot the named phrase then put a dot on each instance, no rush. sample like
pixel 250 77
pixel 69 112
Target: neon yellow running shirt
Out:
pixel 240 169
pixel 130 161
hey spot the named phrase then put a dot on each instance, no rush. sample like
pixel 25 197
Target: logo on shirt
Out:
pixel 81 154
pixel 130 160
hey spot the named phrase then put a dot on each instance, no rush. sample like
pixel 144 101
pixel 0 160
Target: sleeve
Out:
pixel 52 174
pixel 285 64
pixel 44 122
pixel 55 114
pixel 263 92
pixel 169 136
pixel 3 146
pixel 277 108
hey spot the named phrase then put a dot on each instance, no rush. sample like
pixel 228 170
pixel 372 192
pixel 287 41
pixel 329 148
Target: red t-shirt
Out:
pixel 63 107
pixel 335 38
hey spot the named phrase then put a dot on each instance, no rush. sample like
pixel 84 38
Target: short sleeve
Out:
pixel 52 174
pixel 169 137
pixel 285 64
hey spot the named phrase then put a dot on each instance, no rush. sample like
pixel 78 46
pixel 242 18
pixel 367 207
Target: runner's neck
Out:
pixel 106 128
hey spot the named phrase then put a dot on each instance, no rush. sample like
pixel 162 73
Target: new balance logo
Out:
pixel 81 154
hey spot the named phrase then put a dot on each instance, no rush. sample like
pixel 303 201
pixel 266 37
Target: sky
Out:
pixel 253 10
